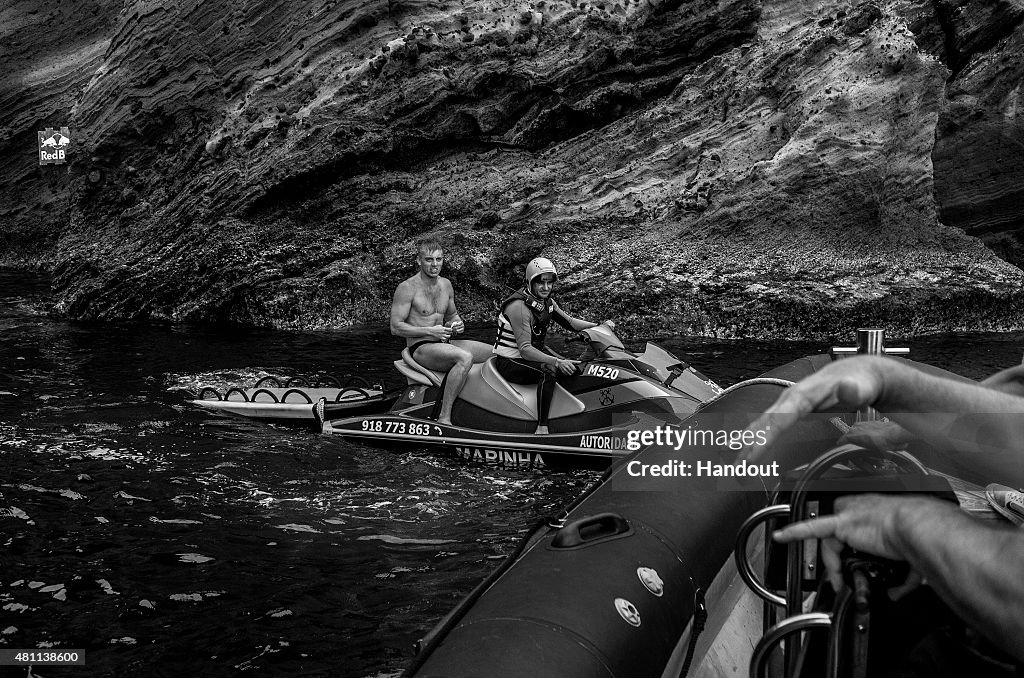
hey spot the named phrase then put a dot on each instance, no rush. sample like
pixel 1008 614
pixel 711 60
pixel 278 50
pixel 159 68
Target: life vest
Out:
pixel 543 313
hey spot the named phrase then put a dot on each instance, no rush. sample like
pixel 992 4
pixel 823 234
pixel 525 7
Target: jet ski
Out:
pixel 291 403
pixel 493 420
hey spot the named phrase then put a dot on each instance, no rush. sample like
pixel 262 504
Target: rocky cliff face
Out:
pixel 979 149
pixel 733 168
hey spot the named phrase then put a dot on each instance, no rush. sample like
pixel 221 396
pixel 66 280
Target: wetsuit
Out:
pixel 510 362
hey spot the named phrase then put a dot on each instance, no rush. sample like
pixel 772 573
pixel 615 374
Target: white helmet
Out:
pixel 539 266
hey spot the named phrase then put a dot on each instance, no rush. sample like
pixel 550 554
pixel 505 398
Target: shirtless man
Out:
pixel 423 311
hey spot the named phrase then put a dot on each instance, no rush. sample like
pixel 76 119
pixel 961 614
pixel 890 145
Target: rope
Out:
pixel 700 618
pixel 784 383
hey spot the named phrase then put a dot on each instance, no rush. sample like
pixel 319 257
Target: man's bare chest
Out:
pixel 430 301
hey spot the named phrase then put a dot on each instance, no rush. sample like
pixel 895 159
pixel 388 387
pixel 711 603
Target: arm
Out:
pixel 960 418
pixel 522 326
pixel 1010 381
pixel 975 567
pixel 568 322
pixel 401 306
pixel 552 352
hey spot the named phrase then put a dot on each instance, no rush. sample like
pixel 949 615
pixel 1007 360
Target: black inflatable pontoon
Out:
pixel 613 590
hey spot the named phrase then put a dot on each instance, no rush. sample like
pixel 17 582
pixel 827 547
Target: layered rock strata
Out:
pixel 732 168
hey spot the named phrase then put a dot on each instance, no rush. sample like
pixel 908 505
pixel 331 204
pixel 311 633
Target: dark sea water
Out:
pixel 166 541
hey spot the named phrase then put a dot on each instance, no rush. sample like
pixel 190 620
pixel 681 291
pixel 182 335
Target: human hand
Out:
pixel 458 327
pixel 852 382
pixel 832 557
pixel 440 332
pixel 876 435
pixel 866 522
pixel 565 366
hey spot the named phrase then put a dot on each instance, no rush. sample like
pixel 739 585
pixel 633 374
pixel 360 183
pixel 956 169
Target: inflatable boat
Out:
pixel 661 574
pixel 612 587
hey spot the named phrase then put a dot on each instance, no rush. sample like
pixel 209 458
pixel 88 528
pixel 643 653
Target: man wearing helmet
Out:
pixel 523 320
pixel 423 311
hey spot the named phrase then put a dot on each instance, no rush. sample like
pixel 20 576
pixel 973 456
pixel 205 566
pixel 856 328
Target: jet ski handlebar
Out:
pixel 602 337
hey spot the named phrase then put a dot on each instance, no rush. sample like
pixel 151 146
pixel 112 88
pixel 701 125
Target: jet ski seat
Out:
pixel 495 393
pixel 416 373
pixel 487 389
pixel 482 386
pixel 522 397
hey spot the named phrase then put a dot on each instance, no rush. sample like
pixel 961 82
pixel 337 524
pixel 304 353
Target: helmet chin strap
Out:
pixel 532 298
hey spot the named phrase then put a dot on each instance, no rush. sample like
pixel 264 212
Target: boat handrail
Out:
pixel 849 601
pixel 800 508
pixel 743 566
pixel 781 631
pixel 798 505
pixel 284 398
